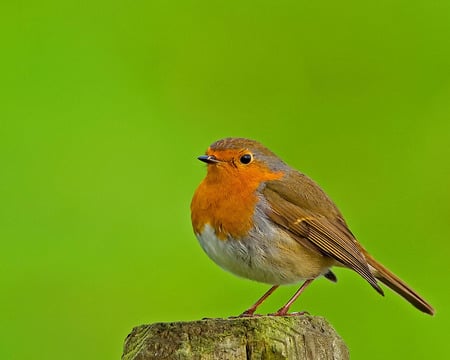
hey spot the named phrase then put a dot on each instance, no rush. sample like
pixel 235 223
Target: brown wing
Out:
pixel 303 209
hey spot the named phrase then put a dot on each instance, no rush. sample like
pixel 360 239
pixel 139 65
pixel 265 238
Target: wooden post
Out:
pixel 262 337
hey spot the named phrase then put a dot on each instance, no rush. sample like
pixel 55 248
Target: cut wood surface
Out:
pixel 263 337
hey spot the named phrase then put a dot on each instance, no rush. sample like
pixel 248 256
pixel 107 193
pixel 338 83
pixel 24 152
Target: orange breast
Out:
pixel 226 200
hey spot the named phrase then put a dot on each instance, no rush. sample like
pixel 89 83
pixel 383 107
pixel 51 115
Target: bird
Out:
pixel 260 219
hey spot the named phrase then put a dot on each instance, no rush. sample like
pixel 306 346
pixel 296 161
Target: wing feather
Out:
pixel 317 227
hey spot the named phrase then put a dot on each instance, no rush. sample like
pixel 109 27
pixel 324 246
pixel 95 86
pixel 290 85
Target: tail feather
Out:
pixel 399 286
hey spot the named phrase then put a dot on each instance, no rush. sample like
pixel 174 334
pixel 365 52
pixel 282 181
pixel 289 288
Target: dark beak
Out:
pixel 209 159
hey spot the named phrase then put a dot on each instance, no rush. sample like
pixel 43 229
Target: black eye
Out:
pixel 246 158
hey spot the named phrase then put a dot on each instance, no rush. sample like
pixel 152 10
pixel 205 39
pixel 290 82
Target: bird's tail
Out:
pixel 398 285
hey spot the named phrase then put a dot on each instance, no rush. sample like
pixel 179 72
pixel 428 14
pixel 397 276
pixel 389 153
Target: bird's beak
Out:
pixel 209 159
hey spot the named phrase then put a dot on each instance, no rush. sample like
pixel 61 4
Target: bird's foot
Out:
pixel 283 313
pixel 245 314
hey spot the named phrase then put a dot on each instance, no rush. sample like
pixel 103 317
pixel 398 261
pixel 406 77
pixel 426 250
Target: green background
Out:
pixel 105 106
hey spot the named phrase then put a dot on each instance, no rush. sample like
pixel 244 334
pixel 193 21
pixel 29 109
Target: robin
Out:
pixel 260 219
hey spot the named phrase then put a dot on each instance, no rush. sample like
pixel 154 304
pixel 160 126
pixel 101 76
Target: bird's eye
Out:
pixel 246 159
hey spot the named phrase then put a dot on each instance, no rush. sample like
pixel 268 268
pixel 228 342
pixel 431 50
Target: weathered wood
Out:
pixel 265 337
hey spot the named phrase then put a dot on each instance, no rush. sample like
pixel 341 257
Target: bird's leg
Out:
pixel 252 310
pixel 283 311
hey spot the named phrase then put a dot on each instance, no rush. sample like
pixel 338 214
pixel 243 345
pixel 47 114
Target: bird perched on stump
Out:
pixel 260 219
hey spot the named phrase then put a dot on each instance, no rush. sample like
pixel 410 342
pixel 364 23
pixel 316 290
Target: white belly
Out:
pixel 273 258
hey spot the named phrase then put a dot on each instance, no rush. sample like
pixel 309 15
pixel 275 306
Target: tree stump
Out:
pixel 264 337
